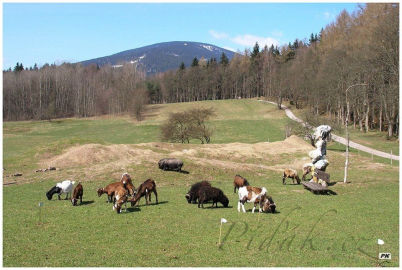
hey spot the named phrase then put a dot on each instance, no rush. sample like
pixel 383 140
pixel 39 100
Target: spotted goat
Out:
pixel 258 196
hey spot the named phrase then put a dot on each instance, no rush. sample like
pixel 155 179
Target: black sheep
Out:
pixel 213 194
pixel 52 191
pixel 171 164
pixel 192 194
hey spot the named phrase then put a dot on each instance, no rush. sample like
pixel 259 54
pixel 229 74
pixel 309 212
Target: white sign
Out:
pixel 384 256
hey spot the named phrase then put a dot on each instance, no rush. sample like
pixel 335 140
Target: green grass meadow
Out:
pixel 339 230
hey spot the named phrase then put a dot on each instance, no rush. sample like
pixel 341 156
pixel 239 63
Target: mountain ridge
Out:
pixel 161 57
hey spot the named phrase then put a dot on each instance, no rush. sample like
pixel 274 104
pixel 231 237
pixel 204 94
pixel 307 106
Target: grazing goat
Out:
pixel 109 190
pixel 290 173
pixel 192 194
pixel 120 197
pixel 213 194
pixel 64 187
pixel 125 178
pixel 145 189
pixel 77 194
pixel 257 196
pixel 171 164
pixel 239 182
pixel 52 191
pixel 307 168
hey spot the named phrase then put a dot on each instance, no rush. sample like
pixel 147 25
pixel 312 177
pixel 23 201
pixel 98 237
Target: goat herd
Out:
pixel 121 192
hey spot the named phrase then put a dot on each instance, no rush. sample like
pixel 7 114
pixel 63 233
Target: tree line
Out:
pixel 359 49
pixel 72 90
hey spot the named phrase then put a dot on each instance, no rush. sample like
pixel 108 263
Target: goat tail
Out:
pixel 263 191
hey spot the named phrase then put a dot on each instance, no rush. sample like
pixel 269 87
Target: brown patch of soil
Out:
pixel 95 159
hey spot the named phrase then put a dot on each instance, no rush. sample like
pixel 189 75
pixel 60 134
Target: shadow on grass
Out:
pixel 131 209
pixel 210 207
pixel 181 171
pixel 269 213
pixel 152 203
pixel 326 193
pixel 86 202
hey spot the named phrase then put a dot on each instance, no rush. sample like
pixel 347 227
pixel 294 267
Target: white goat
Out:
pixel 66 187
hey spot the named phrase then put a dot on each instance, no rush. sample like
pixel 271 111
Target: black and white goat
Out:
pixel 64 187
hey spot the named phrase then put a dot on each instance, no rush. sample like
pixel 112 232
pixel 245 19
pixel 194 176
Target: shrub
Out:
pixel 187 125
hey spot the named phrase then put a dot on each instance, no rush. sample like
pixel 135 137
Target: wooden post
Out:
pixel 378 255
pixel 347 140
pixel 40 212
pixel 347 131
pixel 220 234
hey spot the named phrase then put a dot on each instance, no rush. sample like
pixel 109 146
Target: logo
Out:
pixel 384 256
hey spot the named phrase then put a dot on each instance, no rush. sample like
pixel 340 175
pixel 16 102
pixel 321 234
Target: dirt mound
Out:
pixel 92 154
pixel 244 150
pixel 105 158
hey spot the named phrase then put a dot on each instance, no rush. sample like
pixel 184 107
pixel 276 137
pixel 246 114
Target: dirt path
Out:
pixel 336 137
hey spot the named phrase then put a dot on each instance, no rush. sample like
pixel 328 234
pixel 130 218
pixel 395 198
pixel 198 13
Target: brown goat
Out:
pixel 77 194
pixel 125 178
pixel 145 189
pixel 120 197
pixel 110 189
pixel 239 182
pixel 290 173
pixel 307 168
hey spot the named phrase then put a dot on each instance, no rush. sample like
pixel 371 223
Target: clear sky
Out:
pixel 72 32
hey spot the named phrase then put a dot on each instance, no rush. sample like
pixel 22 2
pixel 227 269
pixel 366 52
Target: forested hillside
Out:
pixel 357 52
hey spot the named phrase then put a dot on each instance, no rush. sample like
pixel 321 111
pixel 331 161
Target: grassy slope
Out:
pixel 235 118
pixel 175 233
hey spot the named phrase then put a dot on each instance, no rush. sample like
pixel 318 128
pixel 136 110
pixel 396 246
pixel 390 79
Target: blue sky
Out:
pixel 53 33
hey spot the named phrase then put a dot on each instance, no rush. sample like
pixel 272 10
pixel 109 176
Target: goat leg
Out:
pixel 156 196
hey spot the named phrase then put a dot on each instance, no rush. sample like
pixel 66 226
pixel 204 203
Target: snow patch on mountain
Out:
pixel 208 47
